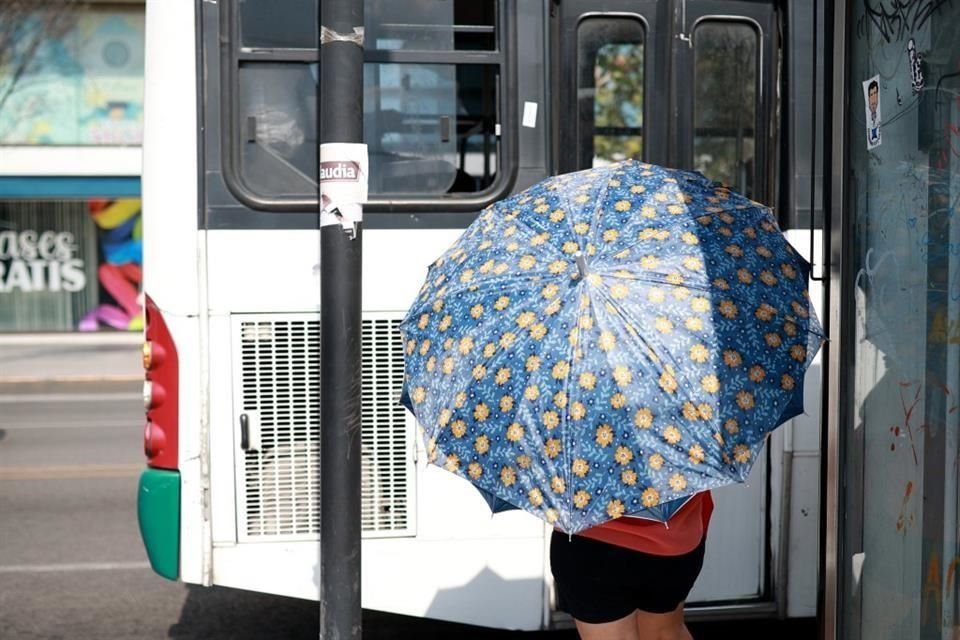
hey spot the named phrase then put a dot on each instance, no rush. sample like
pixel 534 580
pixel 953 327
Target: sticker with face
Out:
pixel 871 97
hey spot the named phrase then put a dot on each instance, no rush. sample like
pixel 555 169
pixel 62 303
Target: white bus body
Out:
pixel 242 306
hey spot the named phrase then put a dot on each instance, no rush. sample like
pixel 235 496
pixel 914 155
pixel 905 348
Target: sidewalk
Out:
pixel 94 361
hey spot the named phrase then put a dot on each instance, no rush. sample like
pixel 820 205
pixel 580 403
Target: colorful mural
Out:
pixel 83 89
pixel 120 240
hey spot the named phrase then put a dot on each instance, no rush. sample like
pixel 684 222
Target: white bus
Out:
pixel 466 101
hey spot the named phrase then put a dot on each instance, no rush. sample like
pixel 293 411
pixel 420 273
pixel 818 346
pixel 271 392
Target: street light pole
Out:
pixel 340 121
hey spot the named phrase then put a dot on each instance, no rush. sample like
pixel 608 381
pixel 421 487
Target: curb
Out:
pixel 71 384
pixel 133 339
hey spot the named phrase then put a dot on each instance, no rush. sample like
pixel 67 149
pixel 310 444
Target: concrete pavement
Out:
pixel 102 361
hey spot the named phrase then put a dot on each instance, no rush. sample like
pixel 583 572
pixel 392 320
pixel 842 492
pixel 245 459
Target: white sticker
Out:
pixel 856 568
pixel 344 177
pixel 529 114
pixel 871 99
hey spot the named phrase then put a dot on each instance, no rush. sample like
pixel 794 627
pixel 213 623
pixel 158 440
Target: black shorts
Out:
pixel 598 582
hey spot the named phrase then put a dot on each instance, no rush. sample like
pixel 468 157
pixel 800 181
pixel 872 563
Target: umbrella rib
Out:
pixel 507 284
pixel 662 280
pixel 630 318
pixel 552 247
pixel 565 416
pixel 596 217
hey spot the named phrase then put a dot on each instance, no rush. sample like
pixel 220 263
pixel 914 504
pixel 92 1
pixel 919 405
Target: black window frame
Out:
pixel 232 54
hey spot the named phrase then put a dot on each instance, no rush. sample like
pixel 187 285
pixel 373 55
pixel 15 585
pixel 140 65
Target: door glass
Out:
pixel 725 102
pixel 610 73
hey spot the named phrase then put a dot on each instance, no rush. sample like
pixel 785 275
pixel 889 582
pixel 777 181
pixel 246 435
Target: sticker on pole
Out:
pixel 343 183
pixel 871 104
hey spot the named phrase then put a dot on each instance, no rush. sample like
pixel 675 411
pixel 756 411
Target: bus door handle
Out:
pixel 250 431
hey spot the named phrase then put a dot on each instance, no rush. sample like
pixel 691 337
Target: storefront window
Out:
pixel 899 559
pixel 68 265
pixel 72 76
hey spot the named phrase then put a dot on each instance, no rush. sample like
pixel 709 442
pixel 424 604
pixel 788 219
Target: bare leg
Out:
pixel 623 629
pixel 662 626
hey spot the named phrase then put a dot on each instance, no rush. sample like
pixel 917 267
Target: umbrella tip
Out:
pixel 581 263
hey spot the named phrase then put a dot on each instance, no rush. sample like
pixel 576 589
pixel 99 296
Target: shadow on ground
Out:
pixel 216 612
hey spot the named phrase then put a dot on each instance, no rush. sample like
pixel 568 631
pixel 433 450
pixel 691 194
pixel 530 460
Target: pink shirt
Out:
pixel 682 534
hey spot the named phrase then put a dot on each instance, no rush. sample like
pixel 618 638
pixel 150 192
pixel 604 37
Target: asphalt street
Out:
pixel 72 565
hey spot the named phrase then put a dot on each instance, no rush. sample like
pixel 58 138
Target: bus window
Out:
pixel 278 24
pixel 610 73
pixel 278 115
pixel 725 102
pixel 430 128
pixel 430 25
pixel 432 101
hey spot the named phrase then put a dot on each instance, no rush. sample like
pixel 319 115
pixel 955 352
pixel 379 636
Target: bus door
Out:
pixel 688 84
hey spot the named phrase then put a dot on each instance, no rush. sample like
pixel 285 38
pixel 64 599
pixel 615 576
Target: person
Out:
pixel 628 579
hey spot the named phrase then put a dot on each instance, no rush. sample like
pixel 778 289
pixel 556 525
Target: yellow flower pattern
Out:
pixel 544 340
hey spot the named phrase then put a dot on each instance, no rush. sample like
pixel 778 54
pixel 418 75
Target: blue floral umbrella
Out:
pixel 609 342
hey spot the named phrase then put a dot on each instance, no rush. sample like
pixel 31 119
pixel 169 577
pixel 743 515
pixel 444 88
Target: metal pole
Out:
pixel 340 120
pixel 831 612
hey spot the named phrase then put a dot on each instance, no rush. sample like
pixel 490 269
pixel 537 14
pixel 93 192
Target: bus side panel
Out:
pixel 395 264
pixel 170 176
pixel 171 256
pixel 263 271
pixel 802 436
pixel 185 332
pixel 254 274
pixel 223 442
pixel 738 524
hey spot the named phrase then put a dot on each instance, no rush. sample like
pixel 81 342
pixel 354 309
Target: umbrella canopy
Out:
pixel 609 342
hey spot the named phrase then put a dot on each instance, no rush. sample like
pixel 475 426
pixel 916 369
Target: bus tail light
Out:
pixel 160 391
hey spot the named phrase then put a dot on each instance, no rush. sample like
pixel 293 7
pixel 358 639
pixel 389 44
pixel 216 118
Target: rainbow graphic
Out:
pixel 119 273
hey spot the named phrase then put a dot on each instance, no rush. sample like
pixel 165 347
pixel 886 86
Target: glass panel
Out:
pixel 73 77
pixel 67 265
pixel 430 25
pixel 278 128
pixel 610 73
pixel 899 562
pixel 389 24
pixel 430 129
pixel 279 23
pixel 725 102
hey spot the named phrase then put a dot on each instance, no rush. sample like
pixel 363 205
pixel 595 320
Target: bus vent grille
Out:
pixel 280 376
pixel 279 356
pixel 386 439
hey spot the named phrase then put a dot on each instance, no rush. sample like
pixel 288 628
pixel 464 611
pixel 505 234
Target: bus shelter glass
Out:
pixel 725 102
pixel 900 433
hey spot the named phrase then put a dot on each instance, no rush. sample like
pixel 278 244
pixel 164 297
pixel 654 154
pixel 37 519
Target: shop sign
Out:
pixel 36 261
